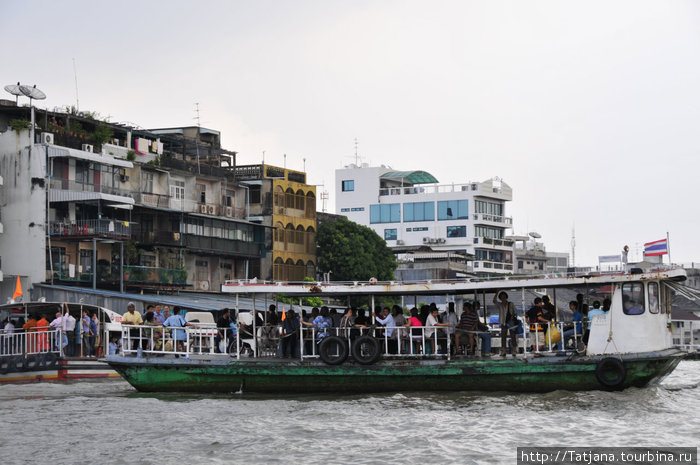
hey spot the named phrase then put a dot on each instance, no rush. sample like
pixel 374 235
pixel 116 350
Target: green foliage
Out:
pixel 19 124
pixel 353 252
pixel 131 155
pixel 102 134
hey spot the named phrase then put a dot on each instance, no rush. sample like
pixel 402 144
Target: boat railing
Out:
pixel 432 342
pixel 37 341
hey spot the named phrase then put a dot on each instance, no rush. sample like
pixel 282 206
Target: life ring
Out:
pixel 610 372
pixel 7 365
pixel 20 363
pixel 333 350
pixel 366 350
pixel 50 360
pixel 32 362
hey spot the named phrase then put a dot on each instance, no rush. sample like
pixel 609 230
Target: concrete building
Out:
pixel 410 209
pixel 281 200
pixel 96 204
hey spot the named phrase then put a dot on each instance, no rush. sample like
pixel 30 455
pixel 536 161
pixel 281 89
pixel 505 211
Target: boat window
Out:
pixel 666 299
pixel 653 297
pixel 633 298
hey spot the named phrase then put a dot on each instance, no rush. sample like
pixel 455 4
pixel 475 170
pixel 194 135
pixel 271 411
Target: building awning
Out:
pixel 56 195
pixel 410 177
pixel 55 151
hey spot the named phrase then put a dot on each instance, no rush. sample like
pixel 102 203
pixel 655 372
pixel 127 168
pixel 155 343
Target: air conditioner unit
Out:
pixel 47 138
pixel 204 285
pixel 123 178
pixel 426 240
pixel 441 240
pixel 88 148
pixel 202 208
pixel 211 210
pixel 433 241
pixel 229 211
pixel 400 242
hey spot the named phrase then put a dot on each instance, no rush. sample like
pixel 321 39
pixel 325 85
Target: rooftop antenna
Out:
pixel 196 118
pixel 263 162
pixel 573 246
pixel 324 198
pixel 304 159
pixel 77 101
pixel 14 90
pixel 357 158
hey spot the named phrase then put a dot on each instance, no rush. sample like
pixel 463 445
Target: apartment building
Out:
pixel 412 210
pixel 113 206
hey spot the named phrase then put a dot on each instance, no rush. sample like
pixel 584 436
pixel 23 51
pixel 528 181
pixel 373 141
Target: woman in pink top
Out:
pixel 416 332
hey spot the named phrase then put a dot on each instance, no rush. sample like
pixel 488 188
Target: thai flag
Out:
pixel 656 248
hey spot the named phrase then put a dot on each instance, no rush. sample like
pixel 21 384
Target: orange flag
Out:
pixel 18 289
pixel 284 314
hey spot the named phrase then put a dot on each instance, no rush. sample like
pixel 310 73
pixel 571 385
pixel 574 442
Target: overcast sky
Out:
pixel 589 110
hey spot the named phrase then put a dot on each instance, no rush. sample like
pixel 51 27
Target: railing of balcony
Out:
pixel 96 227
pixel 152 200
pixel 493 218
pixel 157 237
pixel 496 242
pixel 154 275
pixel 224 246
pixel 66 185
pixel 487 265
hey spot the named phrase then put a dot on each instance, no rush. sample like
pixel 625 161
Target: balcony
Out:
pixel 66 191
pixel 91 228
pixel 216 245
pixel 493 267
pixel 211 209
pixel 155 276
pixel 493 219
pixel 152 200
pixel 495 242
pixel 167 238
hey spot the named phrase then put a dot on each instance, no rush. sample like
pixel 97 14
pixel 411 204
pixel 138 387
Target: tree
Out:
pixel 353 252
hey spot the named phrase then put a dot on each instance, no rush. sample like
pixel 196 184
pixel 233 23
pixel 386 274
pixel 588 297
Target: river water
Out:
pixel 108 422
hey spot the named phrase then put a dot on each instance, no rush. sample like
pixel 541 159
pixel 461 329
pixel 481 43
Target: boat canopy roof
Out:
pixel 468 286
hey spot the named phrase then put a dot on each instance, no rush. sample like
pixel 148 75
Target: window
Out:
pixel 633 298
pixel 453 210
pixel 201 190
pixel 484 231
pixel 344 210
pixel 490 208
pixel 348 185
pixel 419 211
pixel 456 231
pixel 390 234
pixel 147 182
pixel 359 209
pixel 653 297
pixel 228 197
pixel 254 192
pixel 177 189
pixel 385 213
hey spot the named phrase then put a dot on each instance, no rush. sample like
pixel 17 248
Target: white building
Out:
pixel 410 209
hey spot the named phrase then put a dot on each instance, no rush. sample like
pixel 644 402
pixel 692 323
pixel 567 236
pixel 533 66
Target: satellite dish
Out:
pixel 32 93
pixel 14 90
pixel 535 235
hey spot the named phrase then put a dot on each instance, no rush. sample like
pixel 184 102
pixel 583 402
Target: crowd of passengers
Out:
pixel 77 337
pixel 416 331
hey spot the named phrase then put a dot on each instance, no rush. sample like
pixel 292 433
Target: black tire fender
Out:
pixel 6 365
pixel 20 363
pixel 325 350
pixel 611 372
pixel 32 362
pixel 366 350
pixel 50 360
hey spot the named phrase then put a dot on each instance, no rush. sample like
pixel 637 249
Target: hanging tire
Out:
pixel 32 362
pixel 50 360
pixel 20 363
pixel 7 365
pixel 333 350
pixel 611 373
pixel 366 350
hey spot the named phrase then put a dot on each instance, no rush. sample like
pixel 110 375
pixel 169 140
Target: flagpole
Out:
pixel 668 247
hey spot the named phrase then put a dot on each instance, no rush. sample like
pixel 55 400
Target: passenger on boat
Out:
pixel 166 313
pixel 88 335
pixel 348 328
pixel 451 318
pixel 158 314
pixel 178 324
pixel 30 328
pixel 432 324
pixel 272 318
pixel 361 318
pixel 289 340
pixel 149 309
pixel 596 311
pixel 508 318
pixel 536 320
pixel 42 343
pixel 132 317
pixel 336 316
pixel 399 322
pixel 152 334
pixel 473 327
pixel 224 331
pixel 416 334
pixel 115 345
pixel 58 325
pixel 70 332
pixel 322 322
pixel 572 329
pixel 95 326
pixel 386 319
pixel 629 306
pixel 8 329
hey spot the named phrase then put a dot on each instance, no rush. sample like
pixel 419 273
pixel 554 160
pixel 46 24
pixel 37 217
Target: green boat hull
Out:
pixel 283 376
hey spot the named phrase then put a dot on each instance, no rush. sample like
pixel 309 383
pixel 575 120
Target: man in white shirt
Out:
pixel 69 328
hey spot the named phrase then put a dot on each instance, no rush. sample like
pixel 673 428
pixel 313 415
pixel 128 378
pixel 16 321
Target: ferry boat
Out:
pixel 630 345
pixel 43 353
